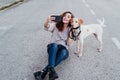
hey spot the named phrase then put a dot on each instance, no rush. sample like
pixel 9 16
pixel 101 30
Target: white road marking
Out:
pixel 6 27
pixel 116 42
pixel 87 5
pixel 98 20
pixel 92 12
pixel 84 1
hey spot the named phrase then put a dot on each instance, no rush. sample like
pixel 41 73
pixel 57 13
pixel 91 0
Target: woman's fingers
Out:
pixel 52 18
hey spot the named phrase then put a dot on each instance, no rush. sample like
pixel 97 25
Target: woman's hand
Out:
pixel 49 20
pixel 69 40
pixel 46 25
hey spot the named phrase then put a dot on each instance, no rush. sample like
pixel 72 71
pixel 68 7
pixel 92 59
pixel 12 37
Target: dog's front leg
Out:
pixel 77 47
pixel 101 43
pixel 81 48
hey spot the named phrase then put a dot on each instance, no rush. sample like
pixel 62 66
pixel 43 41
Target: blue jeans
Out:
pixel 56 54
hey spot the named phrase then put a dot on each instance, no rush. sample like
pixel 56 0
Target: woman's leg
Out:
pixel 52 52
pixel 61 55
pixel 57 53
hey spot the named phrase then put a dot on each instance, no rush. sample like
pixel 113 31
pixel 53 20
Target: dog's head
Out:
pixel 76 23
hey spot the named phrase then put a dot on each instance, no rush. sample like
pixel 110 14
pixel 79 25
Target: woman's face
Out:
pixel 66 18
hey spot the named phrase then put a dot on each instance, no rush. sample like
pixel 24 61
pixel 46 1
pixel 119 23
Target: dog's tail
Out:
pixel 101 22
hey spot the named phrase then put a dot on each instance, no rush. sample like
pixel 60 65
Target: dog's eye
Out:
pixel 75 21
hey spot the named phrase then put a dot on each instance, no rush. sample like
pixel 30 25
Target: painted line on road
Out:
pixel 87 5
pixel 92 12
pixel 84 1
pixel 98 20
pixel 6 27
pixel 116 42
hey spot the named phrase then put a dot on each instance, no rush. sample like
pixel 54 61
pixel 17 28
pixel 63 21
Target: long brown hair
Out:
pixel 59 25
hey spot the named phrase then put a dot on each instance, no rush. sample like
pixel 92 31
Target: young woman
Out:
pixel 58 46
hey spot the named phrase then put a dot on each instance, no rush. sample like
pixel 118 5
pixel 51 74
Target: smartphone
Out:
pixel 57 18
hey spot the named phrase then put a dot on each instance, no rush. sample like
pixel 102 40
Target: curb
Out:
pixel 11 4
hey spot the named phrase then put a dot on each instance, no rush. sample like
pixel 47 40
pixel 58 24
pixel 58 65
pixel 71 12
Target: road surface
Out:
pixel 23 40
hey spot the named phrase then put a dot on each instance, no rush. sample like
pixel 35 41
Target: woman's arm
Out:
pixel 46 24
pixel 69 40
pixel 49 25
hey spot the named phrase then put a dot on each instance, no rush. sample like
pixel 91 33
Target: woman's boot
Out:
pixel 52 74
pixel 40 75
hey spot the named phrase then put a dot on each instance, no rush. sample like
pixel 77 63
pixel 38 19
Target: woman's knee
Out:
pixel 52 46
pixel 65 53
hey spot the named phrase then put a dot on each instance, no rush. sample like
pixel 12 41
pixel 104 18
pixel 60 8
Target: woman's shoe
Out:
pixel 52 74
pixel 40 75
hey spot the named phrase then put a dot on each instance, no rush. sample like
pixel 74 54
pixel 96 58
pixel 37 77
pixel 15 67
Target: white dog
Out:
pixel 79 32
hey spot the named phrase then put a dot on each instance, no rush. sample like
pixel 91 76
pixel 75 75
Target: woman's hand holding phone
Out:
pixel 56 18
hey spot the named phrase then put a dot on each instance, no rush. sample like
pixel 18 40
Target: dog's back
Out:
pixel 91 27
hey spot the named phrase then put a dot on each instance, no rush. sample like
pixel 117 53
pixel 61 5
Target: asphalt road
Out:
pixel 23 40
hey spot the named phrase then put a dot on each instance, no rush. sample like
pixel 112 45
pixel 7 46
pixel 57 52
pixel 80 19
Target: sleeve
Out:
pixel 51 27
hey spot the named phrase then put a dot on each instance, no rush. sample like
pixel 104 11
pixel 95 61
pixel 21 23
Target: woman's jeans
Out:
pixel 56 53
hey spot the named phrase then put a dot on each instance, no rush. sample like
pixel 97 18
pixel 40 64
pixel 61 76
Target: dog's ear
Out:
pixel 80 21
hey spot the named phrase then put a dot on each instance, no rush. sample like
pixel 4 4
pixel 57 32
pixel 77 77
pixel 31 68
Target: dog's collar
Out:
pixel 73 36
pixel 76 28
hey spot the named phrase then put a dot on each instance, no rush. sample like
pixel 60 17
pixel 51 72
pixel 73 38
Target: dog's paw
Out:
pixel 80 54
pixel 75 52
pixel 99 50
